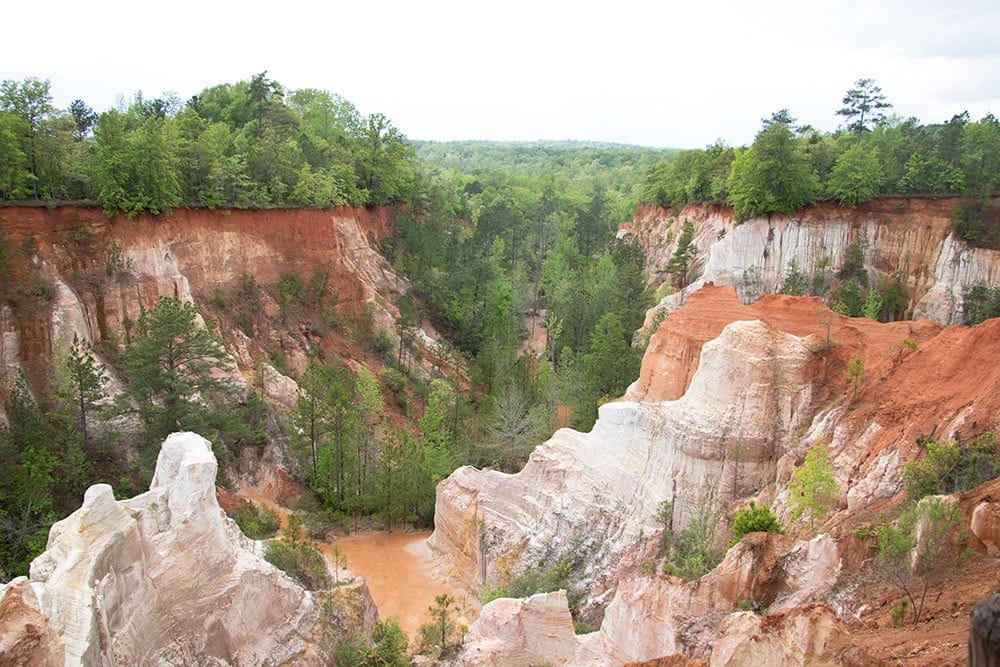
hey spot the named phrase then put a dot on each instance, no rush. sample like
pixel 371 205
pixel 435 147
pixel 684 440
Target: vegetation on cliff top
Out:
pixel 789 166
pixel 249 144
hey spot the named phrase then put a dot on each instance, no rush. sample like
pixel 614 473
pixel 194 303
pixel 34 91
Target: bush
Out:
pixel 754 519
pixel 952 466
pixel 387 648
pixel 980 303
pixel 977 222
pixel 257 522
pixel 297 557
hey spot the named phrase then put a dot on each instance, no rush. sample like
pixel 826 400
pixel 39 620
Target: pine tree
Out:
pixel 813 490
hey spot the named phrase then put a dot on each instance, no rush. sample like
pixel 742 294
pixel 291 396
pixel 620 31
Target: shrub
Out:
pixel 297 557
pixel 754 519
pixel 257 522
pixel 951 466
pixel 689 552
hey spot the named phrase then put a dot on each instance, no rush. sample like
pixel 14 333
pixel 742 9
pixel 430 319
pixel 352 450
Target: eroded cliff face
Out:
pixel 166 578
pixel 728 399
pixel 74 271
pixel 910 238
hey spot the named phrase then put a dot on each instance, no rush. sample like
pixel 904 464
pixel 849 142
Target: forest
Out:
pixel 510 249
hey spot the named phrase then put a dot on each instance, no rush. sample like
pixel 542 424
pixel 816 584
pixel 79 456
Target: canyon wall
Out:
pixel 907 237
pixel 166 578
pixel 72 271
pixel 728 399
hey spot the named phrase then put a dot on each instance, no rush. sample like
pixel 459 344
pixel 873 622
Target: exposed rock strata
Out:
pixel 165 577
pixel 719 377
pixel 594 497
pixel 908 237
pixel 655 616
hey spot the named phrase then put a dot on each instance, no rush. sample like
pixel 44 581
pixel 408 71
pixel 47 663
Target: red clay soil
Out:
pixel 674 350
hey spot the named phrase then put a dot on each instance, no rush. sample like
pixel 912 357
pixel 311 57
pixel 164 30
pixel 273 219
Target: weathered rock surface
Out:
pixel 655 616
pixel 594 497
pixel 728 399
pixel 26 638
pixel 911 237
pixel 532 631
pixel 166 578
pixel 102 271
pixel 985 525
pixel 809 635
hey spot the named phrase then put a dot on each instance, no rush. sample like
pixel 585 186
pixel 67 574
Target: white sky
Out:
pixel 653 73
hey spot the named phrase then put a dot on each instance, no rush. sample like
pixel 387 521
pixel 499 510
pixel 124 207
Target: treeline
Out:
pixel 248 144
pixel 789 166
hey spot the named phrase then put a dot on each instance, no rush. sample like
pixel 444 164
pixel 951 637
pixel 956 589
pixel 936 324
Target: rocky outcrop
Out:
pixel 75 272
pixel 165 577
pixel 910 237
pixel 26 637
pixel 655 616
pixel 532 631
pixel 809 635
pixel 594 497
pixel 728 399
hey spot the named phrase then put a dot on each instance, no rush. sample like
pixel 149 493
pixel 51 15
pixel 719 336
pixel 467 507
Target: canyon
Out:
pixel 735 385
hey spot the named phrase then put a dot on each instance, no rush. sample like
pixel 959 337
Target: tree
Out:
pixel 863 106
pixel 914 549
pixel 856 177
pixel 438 635
pixel 86 377
pixel 84 119
pixel 170 366
pixel 813 491
pixel 795 283
pixel 30 100
pixel 774 174
pixel 681 264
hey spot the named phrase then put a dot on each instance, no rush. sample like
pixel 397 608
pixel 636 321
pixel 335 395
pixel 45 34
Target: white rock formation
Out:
pixel 655 616
pixel 166 578
pixel 912 238
pixel 593 497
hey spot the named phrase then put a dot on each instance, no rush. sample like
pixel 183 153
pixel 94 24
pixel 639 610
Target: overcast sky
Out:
pixel 657 73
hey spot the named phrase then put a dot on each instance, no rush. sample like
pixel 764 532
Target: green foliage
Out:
pixel 559 576
pixel 977 221
pixel 856 177
pixel 258 522
pixel 443 632
pixel 298 557
pixel 914 550
pixel 170 365
pixel 754 519
pixel 795 283
pixel 951 466
pixel 774 175
pixel 85 378
pixel 812 490
pixel 979 303
pixel 863 106
pixel 387 648
pixel 690 552
pixel 681 264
